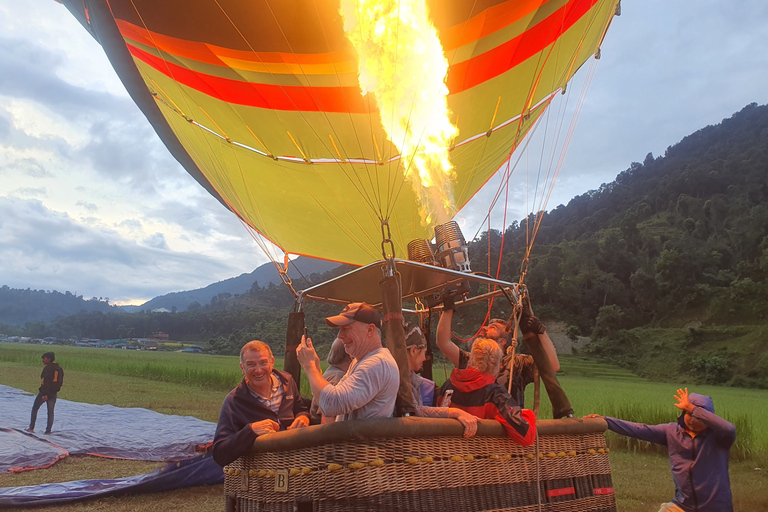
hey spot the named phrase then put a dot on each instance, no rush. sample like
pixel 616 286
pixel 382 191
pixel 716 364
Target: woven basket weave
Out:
pixel 361 468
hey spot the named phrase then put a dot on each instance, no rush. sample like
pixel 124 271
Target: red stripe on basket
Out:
pixel 603 490
pixel 560 492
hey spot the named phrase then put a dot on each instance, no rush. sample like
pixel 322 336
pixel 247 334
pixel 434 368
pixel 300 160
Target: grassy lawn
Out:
pixel 195 385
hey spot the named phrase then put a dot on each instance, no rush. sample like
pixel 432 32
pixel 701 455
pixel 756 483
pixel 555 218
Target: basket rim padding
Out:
pixel 360 430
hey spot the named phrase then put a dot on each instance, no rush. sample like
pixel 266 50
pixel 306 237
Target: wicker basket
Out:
pixel 423 464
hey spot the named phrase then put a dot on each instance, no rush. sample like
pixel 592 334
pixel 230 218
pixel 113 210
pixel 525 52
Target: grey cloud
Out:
pixel 32 168
pixel 130 224
pixel 123 145
pixel 88 206
pixel 202 215
pixel 20 140
pixel 49 250
pixel 127 150
pixel 28 71
pixel 29 192
pixel 156 241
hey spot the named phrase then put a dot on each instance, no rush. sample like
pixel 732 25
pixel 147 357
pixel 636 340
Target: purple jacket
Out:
pixel 699 464
pixel 234 436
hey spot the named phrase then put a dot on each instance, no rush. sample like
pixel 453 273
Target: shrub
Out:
pixel 710 370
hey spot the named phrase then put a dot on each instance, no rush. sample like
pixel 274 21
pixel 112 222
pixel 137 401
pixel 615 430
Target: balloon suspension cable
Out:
pixel 524 269
pixel 283 272
pixel 498 266
pixel 517 313
pixel 386 240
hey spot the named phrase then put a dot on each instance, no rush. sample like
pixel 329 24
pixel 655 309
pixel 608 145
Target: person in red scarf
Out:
pixel 474 390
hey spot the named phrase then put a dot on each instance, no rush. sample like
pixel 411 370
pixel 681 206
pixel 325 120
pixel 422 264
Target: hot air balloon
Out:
pixel 345 130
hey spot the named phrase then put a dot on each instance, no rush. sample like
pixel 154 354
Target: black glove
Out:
pixel 531 324
pixel 448 303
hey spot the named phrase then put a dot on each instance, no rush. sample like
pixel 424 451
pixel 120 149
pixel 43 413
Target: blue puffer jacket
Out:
pixel 234 436
pixel 699 464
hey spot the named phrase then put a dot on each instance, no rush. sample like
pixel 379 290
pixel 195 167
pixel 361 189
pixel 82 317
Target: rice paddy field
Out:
pixel 195 384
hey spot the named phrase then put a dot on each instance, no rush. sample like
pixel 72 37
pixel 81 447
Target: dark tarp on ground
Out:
pixel 199 470
pixel 79 428
pixel 22 450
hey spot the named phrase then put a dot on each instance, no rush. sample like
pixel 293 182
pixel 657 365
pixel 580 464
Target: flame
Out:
pixel 401 62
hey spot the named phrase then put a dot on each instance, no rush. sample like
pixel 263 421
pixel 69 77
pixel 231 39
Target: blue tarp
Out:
pixel 22 450
pixel 80 428
pixel 104 430
pixel 199 470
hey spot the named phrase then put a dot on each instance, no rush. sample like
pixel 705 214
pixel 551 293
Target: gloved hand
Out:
pixel 531 324
pixel 448 303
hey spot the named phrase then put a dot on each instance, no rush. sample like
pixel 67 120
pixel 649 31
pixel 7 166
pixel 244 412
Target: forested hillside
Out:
pixel 223 324
pixel 676 238
pixel 18 307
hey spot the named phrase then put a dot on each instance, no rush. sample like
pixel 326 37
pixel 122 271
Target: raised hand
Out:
pixel 531 324
pixel 683 402
pixel 306 354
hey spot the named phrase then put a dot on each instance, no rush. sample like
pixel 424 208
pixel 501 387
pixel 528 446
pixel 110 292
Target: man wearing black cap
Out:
pixel 50 383
pixel 369 388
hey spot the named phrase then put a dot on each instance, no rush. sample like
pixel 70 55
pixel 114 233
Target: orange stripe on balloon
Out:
pixel 276 97
pixel 469 73
pixel 217 55
pixel 487 22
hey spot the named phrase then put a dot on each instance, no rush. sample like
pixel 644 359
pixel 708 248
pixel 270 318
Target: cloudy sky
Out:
pixel 91 202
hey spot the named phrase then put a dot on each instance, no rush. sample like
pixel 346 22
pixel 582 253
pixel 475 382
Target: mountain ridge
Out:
pixel 20 306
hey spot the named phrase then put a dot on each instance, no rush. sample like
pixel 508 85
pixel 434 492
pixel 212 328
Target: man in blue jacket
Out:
pixel 699 445
pixel 265 401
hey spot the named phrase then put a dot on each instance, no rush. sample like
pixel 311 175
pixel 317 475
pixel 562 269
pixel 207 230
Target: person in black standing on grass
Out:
pixel 51 380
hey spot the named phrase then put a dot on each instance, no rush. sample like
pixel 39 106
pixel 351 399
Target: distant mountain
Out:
pixel 264 276
pixel 18 307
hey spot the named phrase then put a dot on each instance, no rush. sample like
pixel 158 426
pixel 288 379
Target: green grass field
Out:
pixel 195 384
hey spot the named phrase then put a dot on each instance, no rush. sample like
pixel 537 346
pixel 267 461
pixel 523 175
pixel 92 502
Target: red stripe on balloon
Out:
pixel 275 97
pixel 469 73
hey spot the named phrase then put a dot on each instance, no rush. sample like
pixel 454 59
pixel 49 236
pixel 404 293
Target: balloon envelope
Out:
pixel 259 100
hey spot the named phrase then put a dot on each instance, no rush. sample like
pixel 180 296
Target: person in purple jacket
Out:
pixel 265 401
pixel 699 445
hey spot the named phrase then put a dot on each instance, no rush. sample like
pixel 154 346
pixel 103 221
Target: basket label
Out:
pixel 281 480
pixel 603 490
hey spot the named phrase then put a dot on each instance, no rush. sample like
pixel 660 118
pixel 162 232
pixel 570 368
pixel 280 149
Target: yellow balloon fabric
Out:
pixel 261 100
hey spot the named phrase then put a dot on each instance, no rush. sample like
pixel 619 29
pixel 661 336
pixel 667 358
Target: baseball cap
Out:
pixel 356 311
